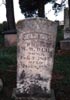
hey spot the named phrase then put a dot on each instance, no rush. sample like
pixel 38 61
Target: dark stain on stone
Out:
pixel 22 75
pixel 48 44
pixel 37 91
pixel 38 77
pixel 22 82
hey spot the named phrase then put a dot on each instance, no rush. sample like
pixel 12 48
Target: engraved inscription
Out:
pixel 35 49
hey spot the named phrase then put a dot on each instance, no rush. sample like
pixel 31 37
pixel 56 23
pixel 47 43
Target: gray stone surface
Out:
pixel 65 44
pixel 35 54
pixel 10 39
pixel 67 33
pixel 66 24
pixel 66 18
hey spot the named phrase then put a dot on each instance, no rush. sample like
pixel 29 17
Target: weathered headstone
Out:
pixel 35 53
pixel 10 38
pixel 66 24
pixel 65 44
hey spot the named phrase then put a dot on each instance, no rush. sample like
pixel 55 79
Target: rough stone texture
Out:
pixel 35 51
pixel 65 44
pixel 66 24
pixel 52 97
pixel 10 39
pixel 66 17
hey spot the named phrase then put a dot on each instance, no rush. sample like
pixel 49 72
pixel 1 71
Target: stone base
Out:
pixel 51 97
pixel 65 44
pixel 67 33
pixel 10 39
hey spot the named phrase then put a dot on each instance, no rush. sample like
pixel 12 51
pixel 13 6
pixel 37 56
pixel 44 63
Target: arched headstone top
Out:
pixel 36 25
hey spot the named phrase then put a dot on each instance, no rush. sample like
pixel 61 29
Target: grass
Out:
pixel 62 86
pixel 62 65
pixel 7 57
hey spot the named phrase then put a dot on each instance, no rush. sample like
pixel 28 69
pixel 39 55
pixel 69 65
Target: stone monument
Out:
pixel 65 44
pixel 10 38
pixel 35 54
pixel 66 24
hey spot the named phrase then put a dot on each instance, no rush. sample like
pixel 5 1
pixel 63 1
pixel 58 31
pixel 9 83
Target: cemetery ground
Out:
pixel 60 75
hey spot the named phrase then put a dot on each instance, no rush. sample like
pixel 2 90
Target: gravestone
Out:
pixel 66 24
pixel 10 38
pixel 35 53
pixel 65 44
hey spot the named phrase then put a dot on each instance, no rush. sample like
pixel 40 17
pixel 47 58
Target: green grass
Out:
pixel 62 86
pixel 7 57
pixel 62 65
